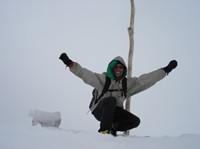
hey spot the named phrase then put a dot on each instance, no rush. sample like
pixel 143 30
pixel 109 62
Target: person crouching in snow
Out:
pixel 108 108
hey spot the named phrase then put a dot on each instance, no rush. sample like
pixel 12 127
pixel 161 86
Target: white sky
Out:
pixel 33 33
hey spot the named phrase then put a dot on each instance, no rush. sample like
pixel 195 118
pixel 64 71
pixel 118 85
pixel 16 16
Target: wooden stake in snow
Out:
pixel 131 49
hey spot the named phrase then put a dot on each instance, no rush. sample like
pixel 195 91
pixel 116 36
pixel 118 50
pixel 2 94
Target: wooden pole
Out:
pixel 131 50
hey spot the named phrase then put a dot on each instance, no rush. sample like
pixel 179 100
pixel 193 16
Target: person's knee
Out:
pixel 135 122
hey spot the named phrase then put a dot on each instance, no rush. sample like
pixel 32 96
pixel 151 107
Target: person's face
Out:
pixel 118 71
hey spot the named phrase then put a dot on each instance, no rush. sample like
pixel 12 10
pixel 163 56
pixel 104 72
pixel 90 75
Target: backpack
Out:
pixel 95 93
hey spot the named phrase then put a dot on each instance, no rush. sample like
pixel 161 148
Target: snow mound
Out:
pixel 48 119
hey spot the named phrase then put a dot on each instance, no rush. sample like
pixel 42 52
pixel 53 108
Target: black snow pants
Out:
pixel 114 117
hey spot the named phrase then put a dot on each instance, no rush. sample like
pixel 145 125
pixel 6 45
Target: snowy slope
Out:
pixel 28 137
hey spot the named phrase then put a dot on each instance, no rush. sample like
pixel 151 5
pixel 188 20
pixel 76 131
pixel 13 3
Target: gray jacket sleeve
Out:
pixel 134 85
pixel 143 82
pixel 91 78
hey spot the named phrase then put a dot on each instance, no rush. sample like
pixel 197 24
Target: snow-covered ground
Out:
pixel 27 137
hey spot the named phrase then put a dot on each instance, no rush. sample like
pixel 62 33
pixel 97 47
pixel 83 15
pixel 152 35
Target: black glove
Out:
pixel 65 59
pixel 172 65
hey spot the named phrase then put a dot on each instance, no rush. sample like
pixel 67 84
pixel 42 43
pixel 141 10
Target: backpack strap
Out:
pixel 124 85
pixel 105 88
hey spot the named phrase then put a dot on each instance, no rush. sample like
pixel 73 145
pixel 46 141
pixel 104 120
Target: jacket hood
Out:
pixel 111 66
